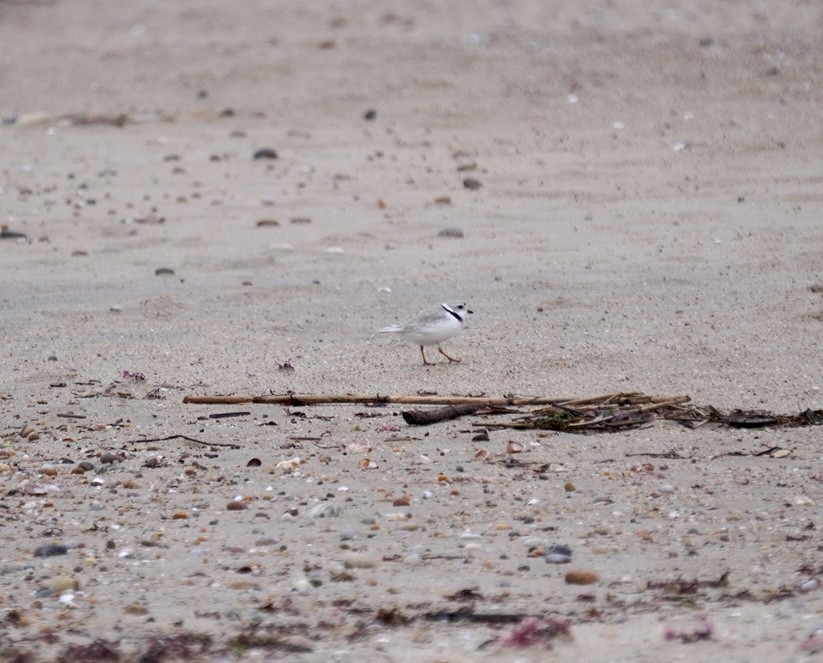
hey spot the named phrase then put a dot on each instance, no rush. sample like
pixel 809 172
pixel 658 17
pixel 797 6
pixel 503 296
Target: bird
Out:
pixel 432 327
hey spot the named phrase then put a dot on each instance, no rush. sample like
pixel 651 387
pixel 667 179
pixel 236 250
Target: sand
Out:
pixel 647 220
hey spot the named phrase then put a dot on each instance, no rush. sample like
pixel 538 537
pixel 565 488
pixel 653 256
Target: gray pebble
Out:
pixel 325 510
pixel 348 533
pixel 50 550
pixel 558 554
pixel 451 231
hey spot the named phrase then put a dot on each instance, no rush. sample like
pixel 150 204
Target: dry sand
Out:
pixel 649 220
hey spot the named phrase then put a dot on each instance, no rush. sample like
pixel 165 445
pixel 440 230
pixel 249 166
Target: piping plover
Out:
pixel 432 327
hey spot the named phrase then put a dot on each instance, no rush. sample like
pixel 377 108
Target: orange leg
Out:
pixel 452 360
pixel 426 362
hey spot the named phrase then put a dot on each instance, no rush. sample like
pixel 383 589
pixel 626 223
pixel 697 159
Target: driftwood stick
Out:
pixel 484 401
pixel 427 417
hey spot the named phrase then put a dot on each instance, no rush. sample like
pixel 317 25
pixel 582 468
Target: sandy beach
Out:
pixel 202 199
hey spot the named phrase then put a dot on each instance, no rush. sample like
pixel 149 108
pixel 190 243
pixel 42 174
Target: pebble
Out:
pixel 136 609
pixel 50 550
pixel 66 597
pixel 58 584
pixel 451 231
pixel 348 533
pixel 325 510
pixel 109 458
pixel 581 578
pixel 558 554
pixel 265 153
pixel 236 506
pixel 355 561
pixel 289 465
pixel 472 184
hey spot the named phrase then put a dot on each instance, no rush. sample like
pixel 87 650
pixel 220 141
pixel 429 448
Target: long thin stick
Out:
pixel 312 399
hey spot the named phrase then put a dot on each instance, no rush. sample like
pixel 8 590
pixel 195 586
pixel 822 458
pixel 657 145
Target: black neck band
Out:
pixel 448 310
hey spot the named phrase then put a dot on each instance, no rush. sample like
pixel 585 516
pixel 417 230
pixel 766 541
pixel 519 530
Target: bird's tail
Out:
pixel 391 329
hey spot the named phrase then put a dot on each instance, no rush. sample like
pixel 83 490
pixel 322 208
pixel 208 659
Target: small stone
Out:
pixel 136 609
pixel 558 554
pixel 354 561
pixel 401 501
pixel 50 550
pixel 370 115
pixel 109 458
pixel 348 533
pixel 262 223
pixel 60 584
pixel 581 577
pixel 164 271
pixel 451 231
pixel 85 466
pixel 236 506
pixel 265 153
pixel 290 465
pixel 569 487
pixel 472 184
pixel 325 510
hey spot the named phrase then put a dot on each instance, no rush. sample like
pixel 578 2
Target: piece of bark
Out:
pixel 428 417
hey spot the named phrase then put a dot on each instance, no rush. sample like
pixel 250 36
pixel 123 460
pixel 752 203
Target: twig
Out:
pixel 312 399
pixel 186 437
pixel 226 415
